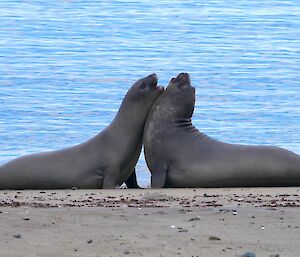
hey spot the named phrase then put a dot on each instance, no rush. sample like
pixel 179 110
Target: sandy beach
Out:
pixel 147 222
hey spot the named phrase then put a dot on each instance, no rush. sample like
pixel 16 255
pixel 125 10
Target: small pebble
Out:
pixel 183 230
pixel 126 252
pixel 274 255
pixel 17 236
pixel 89 241
pixel 214 238
pixel 196 218
pixel 26 219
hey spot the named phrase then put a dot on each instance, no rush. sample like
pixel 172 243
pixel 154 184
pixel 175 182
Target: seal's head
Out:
pixel 139 99
pixel 178 100
pixel 145 86
pixel 144 92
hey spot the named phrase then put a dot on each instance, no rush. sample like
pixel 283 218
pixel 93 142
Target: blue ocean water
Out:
pixel 66 65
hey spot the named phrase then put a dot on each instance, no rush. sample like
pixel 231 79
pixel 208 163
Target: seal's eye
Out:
pixel 143 86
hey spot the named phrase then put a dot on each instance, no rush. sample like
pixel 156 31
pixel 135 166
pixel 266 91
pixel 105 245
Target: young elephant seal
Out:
pixel 178 155
pixel 104 161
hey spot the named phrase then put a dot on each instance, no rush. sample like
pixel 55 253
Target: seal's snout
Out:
pixel 152 82
pixel 182 80
pixel 184 77
pixel 152 79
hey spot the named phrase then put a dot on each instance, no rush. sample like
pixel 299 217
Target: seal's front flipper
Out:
pixel 109 184
pixel 159 175
pixel 131 182
pixel 111 178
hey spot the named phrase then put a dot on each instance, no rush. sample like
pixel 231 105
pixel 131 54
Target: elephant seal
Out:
pixel 178 155
pixel 104 161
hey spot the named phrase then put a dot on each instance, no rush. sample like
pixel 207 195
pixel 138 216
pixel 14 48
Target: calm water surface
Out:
pixel 66 65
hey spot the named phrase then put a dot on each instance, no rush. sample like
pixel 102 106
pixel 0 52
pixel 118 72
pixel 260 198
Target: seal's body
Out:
pixel 105 161
pixel 178 155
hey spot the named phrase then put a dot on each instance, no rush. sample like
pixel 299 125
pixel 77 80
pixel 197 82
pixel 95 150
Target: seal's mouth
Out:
pixel 154 81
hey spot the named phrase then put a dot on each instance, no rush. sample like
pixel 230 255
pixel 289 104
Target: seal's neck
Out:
pixel 183 122
pixel 185 125
pixel 130 119
pixel 124 133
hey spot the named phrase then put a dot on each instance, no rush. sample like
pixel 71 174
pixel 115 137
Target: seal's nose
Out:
pixel 153 76
pixel 152 80
pixel 184 76
pixel 184 79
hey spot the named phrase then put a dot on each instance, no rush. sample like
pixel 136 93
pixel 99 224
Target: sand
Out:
pixel 147 222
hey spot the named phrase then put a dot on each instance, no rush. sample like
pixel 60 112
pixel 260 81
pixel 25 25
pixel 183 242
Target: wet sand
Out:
pixel 147 222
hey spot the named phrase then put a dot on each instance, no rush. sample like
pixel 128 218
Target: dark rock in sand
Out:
pixel 215 238
pixel 247 254
pixel 17 236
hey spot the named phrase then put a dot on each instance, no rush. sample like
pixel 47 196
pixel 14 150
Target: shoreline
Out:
pixel 272 197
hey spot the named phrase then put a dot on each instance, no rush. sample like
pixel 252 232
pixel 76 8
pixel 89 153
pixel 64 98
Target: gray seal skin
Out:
pixel 178 155
pixel 104 161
